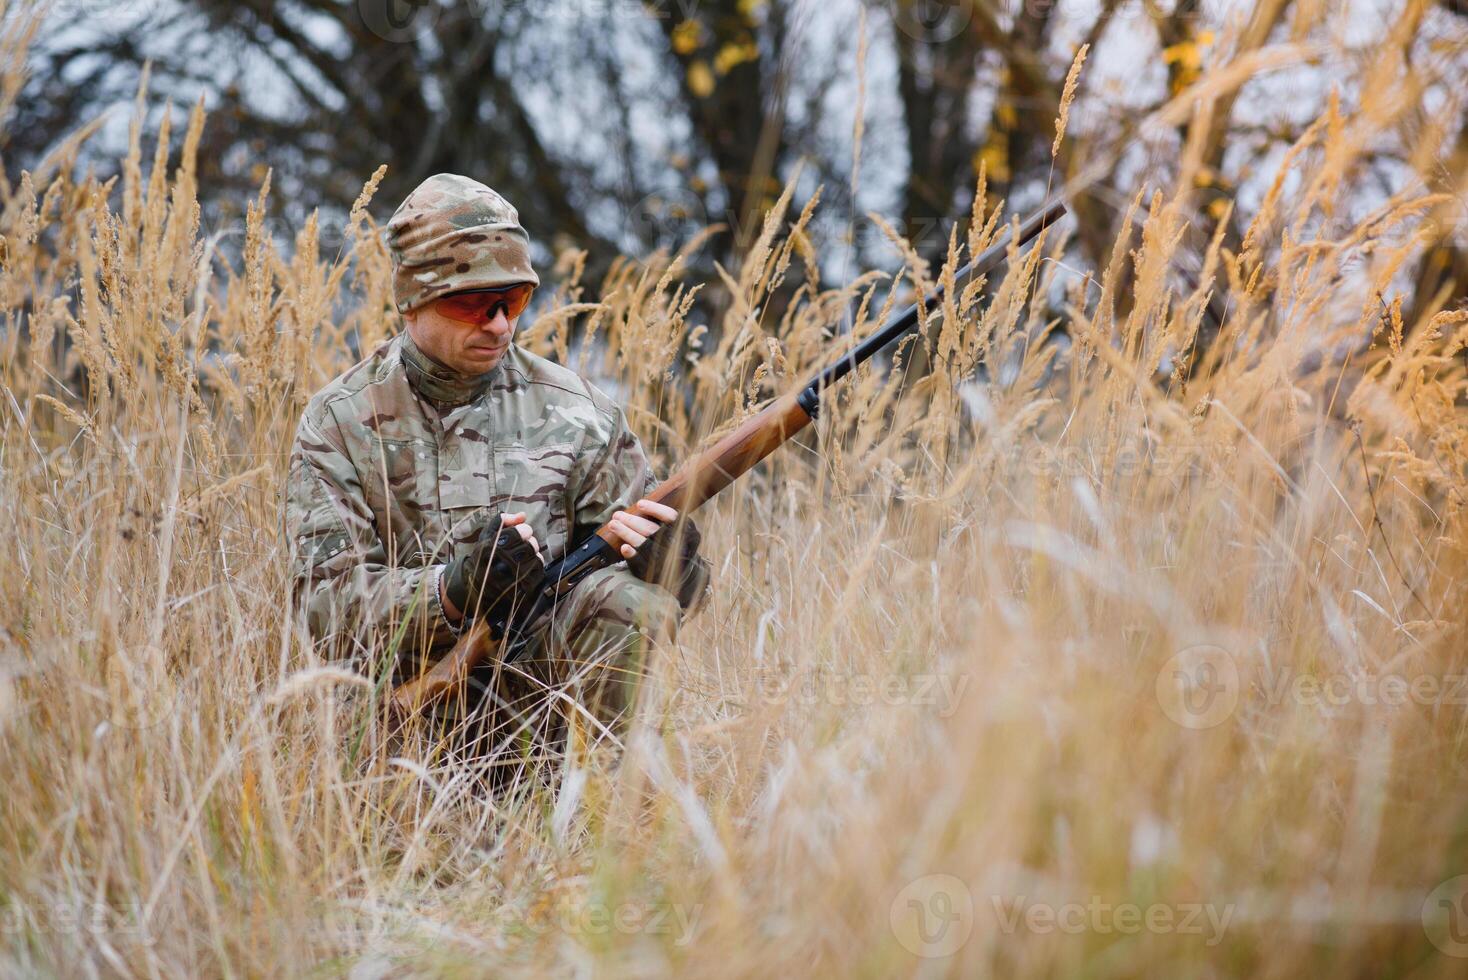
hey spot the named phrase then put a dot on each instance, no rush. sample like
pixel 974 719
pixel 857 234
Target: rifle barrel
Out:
pixel 753 441
pixel 1047 214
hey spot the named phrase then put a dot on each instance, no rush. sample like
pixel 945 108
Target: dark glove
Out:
pixel 670 558
pixel 498 573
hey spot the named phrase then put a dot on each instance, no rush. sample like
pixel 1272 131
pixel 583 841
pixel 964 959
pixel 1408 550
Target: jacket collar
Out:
pixel 443 386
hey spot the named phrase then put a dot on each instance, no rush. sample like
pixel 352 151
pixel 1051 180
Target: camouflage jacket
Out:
pixel 383 486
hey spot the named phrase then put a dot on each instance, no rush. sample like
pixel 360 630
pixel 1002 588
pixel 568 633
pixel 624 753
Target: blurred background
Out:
pixel 624 126
pixel 1135 564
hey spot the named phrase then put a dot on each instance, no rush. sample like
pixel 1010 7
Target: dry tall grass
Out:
pixel 1157 670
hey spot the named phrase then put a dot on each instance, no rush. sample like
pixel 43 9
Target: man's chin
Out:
pixel 477 361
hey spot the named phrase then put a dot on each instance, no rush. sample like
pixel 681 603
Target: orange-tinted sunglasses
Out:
pixel 479 306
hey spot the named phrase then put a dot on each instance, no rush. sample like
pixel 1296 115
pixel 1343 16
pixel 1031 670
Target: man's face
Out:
pixel 467 332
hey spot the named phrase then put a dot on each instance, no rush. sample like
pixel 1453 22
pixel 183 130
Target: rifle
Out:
pixel 698 480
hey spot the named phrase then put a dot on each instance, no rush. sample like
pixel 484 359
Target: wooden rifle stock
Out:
pixel 447 674
pixel 698 480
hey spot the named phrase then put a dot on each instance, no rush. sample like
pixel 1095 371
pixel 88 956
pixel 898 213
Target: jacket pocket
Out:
pixel 401 488
pixel 534 479
pixel 476 508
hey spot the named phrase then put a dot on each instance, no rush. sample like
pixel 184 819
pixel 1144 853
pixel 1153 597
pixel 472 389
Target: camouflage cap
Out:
pixel 452 234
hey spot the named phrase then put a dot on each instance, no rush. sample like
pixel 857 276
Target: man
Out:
pixel 429 483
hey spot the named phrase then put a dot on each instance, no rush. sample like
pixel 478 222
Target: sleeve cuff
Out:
pixel 435 602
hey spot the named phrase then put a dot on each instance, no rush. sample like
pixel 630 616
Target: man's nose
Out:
pixel 499 324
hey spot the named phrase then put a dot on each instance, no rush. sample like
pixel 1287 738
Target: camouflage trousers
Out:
pixel 576 682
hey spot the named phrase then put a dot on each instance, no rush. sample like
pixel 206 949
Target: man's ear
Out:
pixel 410 324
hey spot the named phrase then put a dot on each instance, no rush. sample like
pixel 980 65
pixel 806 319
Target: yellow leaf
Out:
pixel 700 79
pixel 994 157
pixel 687 36
pixel 1185 53
pixel 735 54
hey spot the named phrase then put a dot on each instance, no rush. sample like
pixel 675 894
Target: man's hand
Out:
pixel 633 528
pixel 669 559
pixel 495 573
